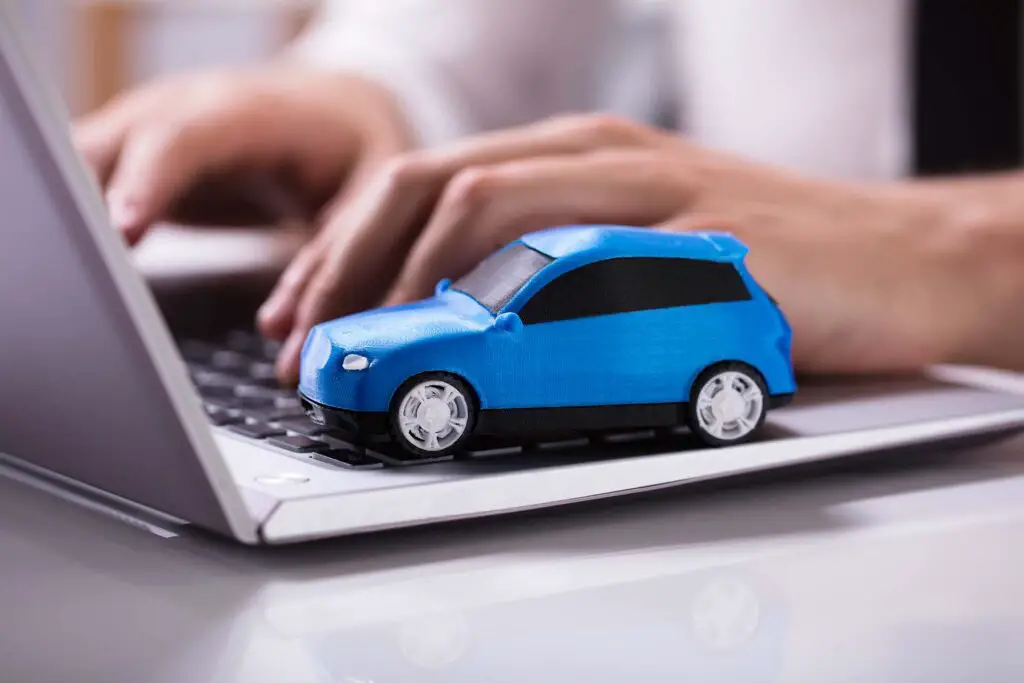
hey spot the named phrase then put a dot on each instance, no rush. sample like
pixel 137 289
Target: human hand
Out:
pixel 869 275
pixel 233 146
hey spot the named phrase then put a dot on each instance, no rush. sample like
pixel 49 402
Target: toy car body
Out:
pixel 564 330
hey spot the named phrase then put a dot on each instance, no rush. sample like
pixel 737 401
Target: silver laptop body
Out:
pixel 96 403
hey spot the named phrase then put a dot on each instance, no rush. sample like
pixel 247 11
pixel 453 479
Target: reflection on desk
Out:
pixel 888 571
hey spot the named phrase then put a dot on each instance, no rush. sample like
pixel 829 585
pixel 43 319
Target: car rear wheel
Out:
pixel 728 404
pixel 433 415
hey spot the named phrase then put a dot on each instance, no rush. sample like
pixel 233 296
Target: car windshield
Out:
pixel 498 277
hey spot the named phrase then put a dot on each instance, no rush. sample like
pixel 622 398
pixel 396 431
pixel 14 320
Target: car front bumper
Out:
pixel 369 423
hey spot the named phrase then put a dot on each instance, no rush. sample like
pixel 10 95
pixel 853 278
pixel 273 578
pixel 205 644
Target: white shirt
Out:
pixel 819 86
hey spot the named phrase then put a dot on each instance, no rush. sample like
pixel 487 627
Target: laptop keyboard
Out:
pixel 236 381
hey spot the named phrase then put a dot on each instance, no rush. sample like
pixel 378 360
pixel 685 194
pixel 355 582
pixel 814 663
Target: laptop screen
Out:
pixel 80 395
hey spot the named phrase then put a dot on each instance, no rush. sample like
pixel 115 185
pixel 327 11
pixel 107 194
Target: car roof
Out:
pixel 598 242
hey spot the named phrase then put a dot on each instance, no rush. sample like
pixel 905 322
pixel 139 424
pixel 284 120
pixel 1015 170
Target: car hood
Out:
pixel 380 330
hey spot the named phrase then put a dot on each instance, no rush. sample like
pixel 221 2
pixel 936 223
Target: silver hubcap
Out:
pixel 433 415
pixel 729 405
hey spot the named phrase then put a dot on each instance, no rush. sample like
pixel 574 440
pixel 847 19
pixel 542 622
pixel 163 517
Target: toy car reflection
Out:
pixel 565 330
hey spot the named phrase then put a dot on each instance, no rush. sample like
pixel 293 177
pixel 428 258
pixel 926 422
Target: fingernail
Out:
pixel 267 312
pixel 125 212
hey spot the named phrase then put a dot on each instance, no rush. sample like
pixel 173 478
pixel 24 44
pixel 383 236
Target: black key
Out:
pixel 265 382
pixel 244 341
pixel 222 403
pixel 207 378
pixel 257 430
pixel 271 349
pixel 229 361
pixel 298 444
pixel 289 401
pixel 258 392
pixel 215 392
pixel 302 425
pixel 263 372
pixel 196 351
pixel 222 418
pixel 348 455
pixel 254 402
pixel 272 414
pixel 394 456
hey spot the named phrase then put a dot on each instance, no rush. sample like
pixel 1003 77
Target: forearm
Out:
pixel 979 240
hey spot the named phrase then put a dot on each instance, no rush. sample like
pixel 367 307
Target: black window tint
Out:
pixel 634 284
pixel 499 276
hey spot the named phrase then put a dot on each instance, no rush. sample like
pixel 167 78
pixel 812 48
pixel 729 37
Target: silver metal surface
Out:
pixel 826 422
pixel 90 384
pixel 879 570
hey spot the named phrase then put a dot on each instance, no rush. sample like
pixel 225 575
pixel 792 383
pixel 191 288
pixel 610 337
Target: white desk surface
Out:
pixel 899 572
pixel 894 572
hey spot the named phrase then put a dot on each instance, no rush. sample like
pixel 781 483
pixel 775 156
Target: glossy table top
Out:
pixel 873 570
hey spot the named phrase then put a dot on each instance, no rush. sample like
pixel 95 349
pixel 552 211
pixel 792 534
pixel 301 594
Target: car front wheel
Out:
pixel 433 415
pixel 727 404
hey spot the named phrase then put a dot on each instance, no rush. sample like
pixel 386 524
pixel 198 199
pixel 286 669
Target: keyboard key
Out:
pixel 297 444
pixel 222 403
pixel 258 392
pixel 302 425
pixel 257 430
pixel 288 402
pixel 244 341
pixel 216 392
pixel 230 362
pixel 348 455
pixel 194 351
pixel 209 378
pixel 263 371
pixel 272 414
pixel 222 417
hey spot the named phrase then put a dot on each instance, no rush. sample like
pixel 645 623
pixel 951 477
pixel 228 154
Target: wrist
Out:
pixel 977 247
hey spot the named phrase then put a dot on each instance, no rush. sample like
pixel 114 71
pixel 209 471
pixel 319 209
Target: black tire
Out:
pixel 708 376
pixel 419 449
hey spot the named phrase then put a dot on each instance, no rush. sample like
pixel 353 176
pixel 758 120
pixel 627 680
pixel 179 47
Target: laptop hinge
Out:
pixel 91 498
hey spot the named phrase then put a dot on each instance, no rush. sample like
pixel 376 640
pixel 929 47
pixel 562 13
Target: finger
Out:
pixel 98 136
pixel 276 316
pixel 698 222
pixel 488 207
pixel 347 278
pixel 157 163
pixel 552 137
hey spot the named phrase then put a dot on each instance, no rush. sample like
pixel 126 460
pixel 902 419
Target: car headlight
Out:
pixel 355 362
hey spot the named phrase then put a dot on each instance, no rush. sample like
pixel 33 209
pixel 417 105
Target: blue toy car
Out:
pixel 569 329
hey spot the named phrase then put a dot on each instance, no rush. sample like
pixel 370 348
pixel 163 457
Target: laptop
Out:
pixel 101 401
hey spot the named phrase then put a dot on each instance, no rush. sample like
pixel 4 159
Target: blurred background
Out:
pixel 93 49
pixel 96 48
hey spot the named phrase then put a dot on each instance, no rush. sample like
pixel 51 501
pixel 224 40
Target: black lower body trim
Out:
pixel 512 422
pixel 517 421
pixel 353 421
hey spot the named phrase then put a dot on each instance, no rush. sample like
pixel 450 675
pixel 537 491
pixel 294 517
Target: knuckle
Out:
pixel 405 170
pixel 600 127
pixel 471 189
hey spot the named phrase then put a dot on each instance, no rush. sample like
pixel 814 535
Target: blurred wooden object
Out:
pixel 102 39
pixel 100 56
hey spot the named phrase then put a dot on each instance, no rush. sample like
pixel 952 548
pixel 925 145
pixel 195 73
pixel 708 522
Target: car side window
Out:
pixel 621 285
